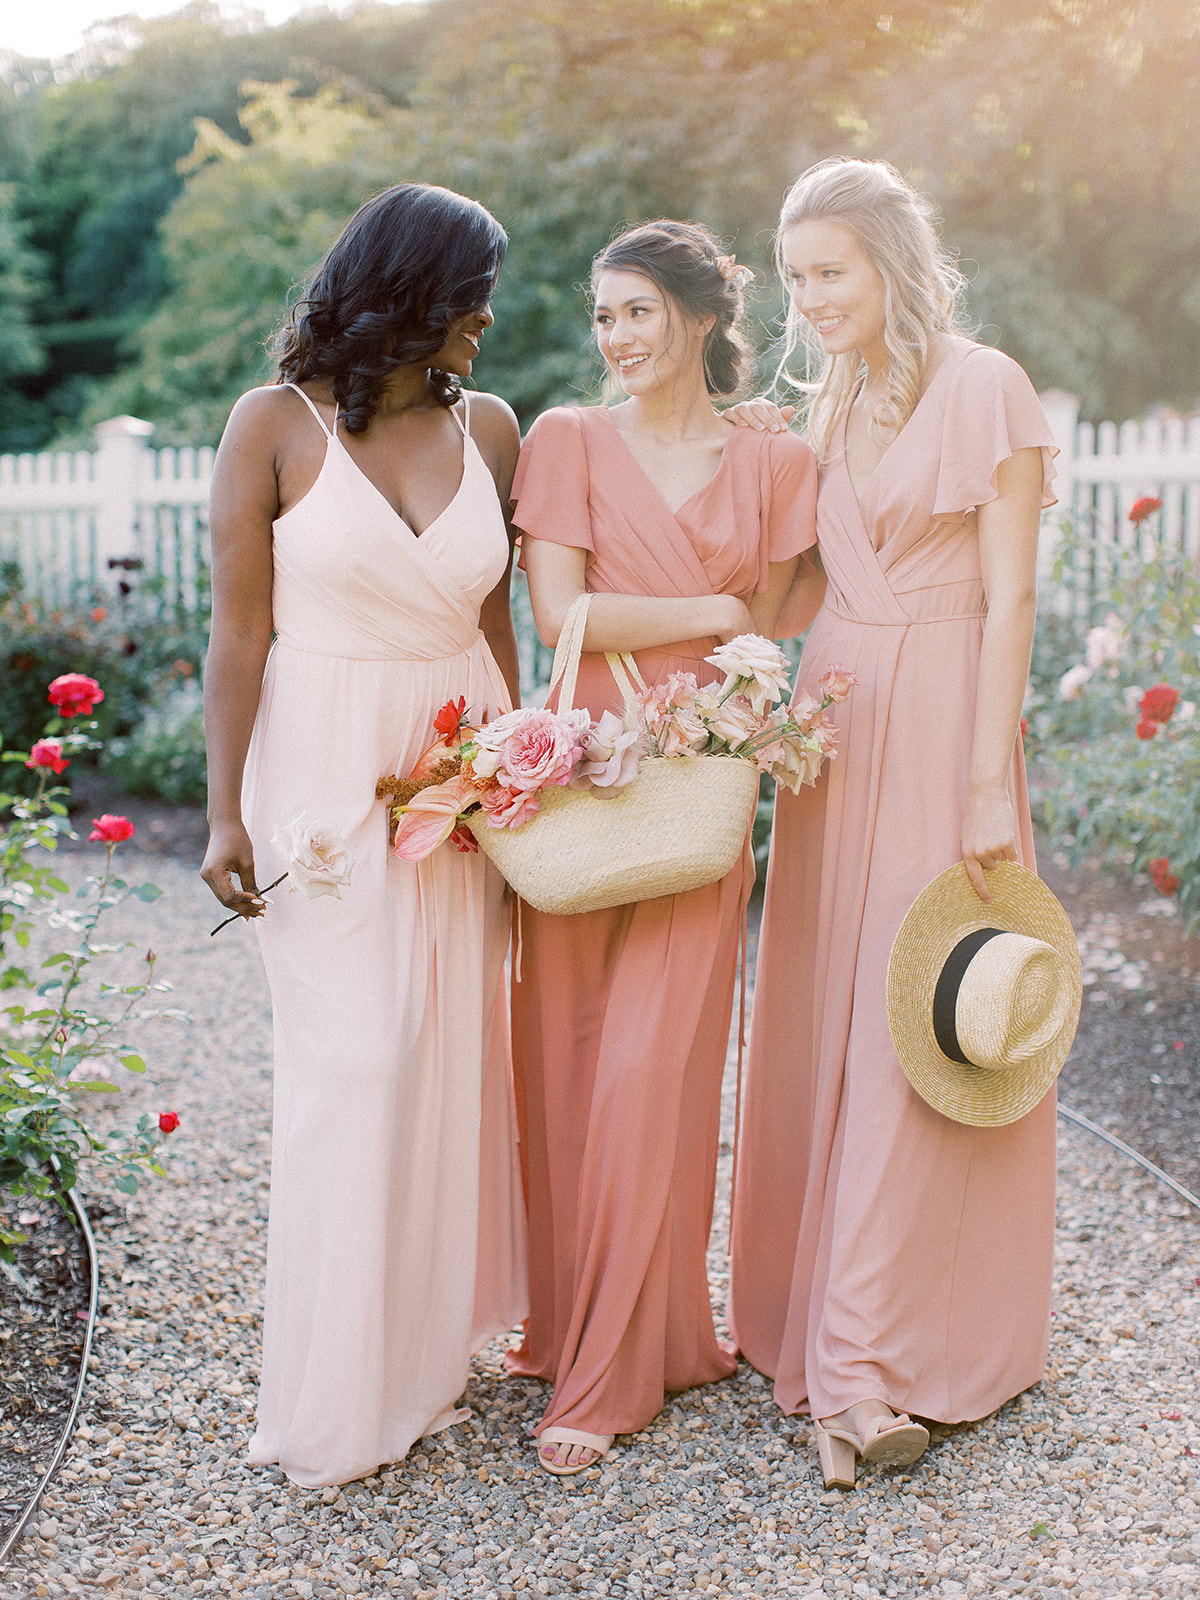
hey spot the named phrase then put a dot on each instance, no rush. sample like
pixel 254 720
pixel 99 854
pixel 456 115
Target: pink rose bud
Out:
pixel 168 1121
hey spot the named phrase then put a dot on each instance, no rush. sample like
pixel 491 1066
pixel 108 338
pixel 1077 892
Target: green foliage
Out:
pixel 1098 787
pixel 164 755
pixel 61 1026
pixel 1059 140
pixel 1055 137
pixel 251 222
pixel 120 642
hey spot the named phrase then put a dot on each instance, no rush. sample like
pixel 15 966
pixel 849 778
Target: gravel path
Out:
pixel 1085 1487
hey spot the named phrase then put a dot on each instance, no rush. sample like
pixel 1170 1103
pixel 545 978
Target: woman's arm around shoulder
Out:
pixel 245 502
pixel 498 437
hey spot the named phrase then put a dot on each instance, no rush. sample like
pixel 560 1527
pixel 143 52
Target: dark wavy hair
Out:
pixel 685 261
pixel 409 264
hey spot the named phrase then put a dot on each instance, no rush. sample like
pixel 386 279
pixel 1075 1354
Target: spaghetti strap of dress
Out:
pixel 464 421
pixel 325 428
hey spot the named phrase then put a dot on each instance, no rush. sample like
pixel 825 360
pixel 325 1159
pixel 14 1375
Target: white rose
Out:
pixel 760 662
pixel 316 856
pixel 1070 685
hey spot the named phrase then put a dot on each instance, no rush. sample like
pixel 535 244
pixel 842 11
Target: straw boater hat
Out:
pixel 983 1000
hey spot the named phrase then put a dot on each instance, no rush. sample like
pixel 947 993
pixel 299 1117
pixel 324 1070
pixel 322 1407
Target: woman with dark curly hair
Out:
pixel 356 514
pixel 685 532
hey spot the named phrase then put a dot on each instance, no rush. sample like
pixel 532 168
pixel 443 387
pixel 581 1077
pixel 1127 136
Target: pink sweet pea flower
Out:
pixel 836 683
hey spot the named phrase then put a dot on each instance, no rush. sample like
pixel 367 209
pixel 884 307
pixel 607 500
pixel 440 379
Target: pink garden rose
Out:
pixel 48 753
pixel 75 693
pixel 110 830
pixel 509 808
pixel 536 748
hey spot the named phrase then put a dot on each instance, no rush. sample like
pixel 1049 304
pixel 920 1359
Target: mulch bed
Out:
pixel 1135 1065
pixel 42 1325
pixel 1135 1069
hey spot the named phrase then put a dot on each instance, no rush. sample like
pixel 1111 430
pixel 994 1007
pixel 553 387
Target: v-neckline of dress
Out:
pixel 860 499
pixel 400 518
pixel 606 412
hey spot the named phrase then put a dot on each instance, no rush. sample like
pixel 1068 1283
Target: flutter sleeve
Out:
pixel 550 486
pixel 792 507
pixel 992 412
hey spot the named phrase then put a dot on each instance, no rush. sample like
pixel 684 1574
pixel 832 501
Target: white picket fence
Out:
pixel 79 523
pixel 1102 470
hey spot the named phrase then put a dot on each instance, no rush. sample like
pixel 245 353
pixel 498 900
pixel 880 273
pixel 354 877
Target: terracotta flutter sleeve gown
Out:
pixel 396 1237
pixel 880 1250
pixel 621 1017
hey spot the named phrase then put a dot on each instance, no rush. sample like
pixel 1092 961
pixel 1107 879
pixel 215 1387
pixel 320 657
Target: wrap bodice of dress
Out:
pixel 353 580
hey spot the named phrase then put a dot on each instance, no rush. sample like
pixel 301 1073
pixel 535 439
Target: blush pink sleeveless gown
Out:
pixel 395 1243
pixel 881 1251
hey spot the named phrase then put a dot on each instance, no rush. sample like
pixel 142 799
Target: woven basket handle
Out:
pixel 566 661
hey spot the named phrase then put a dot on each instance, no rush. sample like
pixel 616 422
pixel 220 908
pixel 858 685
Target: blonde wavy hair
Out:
pixel 894 223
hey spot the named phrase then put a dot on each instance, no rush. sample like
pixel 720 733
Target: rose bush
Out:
pixel 63 1027
pixel 1114 739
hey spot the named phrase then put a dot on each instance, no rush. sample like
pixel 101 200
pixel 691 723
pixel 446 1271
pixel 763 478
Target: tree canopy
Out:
pixel 160 204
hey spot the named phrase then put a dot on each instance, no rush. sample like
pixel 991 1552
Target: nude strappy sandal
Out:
pixel 889 1444
pixel 601 1443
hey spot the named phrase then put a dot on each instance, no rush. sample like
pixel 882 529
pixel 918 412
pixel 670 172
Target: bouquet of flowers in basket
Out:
pixel 503 767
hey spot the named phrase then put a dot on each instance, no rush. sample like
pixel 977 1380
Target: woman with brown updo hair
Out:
pixel 685 532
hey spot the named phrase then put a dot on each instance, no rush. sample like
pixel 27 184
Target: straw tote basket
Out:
pixel 681 823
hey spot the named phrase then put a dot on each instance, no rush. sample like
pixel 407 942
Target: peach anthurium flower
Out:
pixel 431 816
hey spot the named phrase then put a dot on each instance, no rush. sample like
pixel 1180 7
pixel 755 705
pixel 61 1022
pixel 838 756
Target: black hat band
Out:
pixel 945 995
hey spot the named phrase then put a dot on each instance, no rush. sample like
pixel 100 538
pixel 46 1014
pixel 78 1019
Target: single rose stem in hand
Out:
pixel 237 915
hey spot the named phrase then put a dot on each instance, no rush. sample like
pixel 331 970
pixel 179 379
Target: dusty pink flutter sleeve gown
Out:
pixel 881 1251
pixel 621 1017
pixel 395 1244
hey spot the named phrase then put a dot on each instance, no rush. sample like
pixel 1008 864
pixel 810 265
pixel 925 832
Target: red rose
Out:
pixel 1147 728
pixel 110 830
pixel 99 613
pixel 1143 508
pixel 448 718
pixel 168 1121
pixel 1158 703
pixel 48 753
pixel 1161 876
pixel 74 694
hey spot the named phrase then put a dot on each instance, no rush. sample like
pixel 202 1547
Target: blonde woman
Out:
pixel 889 1263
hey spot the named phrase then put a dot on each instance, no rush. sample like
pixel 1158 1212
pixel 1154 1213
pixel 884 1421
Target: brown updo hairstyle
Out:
pixel 409 264
pixel 685 261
